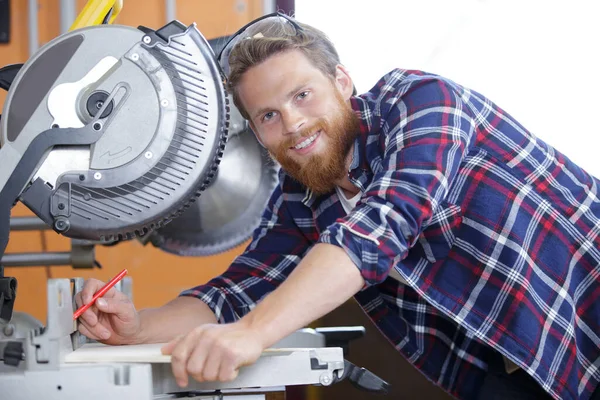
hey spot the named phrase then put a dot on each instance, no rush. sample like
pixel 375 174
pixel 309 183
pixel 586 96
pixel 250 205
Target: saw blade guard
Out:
pixel 230 209
pixel 157 100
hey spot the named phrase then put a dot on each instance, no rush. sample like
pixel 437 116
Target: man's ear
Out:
pixel 343 81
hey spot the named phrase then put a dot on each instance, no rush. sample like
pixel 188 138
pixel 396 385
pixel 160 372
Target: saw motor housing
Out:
pixel 153 112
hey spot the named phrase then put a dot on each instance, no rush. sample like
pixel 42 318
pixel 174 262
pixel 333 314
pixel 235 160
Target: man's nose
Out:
pixel 293 121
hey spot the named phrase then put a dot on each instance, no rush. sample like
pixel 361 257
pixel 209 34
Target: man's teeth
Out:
pixel 306 142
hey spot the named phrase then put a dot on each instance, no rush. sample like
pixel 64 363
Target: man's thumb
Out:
pixel 102 304
pixel 110 306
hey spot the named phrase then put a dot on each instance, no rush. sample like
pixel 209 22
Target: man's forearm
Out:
pixel 325 278
pixel 178 317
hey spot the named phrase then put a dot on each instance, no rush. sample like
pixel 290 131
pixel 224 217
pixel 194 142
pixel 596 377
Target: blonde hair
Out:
pixel 273 36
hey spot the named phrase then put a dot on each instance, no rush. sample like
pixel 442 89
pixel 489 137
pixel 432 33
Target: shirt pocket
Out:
pixel 436 240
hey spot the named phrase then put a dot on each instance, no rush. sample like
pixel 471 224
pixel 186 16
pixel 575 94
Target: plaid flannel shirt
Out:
pixel 495 233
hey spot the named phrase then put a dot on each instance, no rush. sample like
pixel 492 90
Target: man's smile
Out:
pixel 305 145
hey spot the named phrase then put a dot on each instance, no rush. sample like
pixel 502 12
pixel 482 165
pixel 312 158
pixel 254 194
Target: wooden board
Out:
pixel 136 353
pixel 100 353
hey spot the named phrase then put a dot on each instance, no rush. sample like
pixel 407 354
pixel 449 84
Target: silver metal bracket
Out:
pixel 284 367
pixel 44 347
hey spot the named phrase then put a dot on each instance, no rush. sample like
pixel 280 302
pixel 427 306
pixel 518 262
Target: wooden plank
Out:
pixel 137 353
pixel 99 353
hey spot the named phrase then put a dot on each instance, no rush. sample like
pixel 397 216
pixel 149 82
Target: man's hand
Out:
pixel 213 352
pixel 324 280
pixel 113 319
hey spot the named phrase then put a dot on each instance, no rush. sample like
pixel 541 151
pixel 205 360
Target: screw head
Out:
pixel 135 56
pixel 164 103
pixel 97 176
pixel 9 330
pixel 147 39
pixel 325 380
pixel 148 155
pixel 61 224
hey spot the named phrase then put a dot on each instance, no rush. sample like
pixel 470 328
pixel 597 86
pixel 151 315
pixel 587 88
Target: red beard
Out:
pixel 321 172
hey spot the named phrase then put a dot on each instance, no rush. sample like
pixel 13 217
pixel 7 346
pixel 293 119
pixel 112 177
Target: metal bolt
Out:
pixel 325 380
pixel 164 103
pixel 61 224
pixel 98 176
pixel 9 330
pixel 135 56
pixel 147 39
pixel 148 155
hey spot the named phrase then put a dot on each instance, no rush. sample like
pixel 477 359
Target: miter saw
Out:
pixel 108 133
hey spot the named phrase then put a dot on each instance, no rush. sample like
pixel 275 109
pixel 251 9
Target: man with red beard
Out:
pixel 472 245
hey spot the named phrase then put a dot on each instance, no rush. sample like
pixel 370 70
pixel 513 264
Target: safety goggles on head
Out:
pixel 264 26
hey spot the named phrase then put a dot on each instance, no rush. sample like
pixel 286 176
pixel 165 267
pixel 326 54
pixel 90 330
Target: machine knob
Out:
pixel 13 353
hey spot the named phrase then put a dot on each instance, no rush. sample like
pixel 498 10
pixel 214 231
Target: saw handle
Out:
pixel 97 12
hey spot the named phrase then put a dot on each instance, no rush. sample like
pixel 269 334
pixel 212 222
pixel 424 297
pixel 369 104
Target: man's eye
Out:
pixel 268 116
pixel 303 95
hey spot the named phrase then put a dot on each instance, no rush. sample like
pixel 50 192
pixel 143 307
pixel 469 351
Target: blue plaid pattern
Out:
pixel 495 233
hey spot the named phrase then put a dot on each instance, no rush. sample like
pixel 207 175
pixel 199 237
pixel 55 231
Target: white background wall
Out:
pixel 539 60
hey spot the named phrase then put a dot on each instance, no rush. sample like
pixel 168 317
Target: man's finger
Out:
pixel 180 356
pixel 202 364
pixel 168 348
pixel 90 288
pixel 227 373
pixel 90 316
pixel 86 332
pixel 98 332
pixel 122 309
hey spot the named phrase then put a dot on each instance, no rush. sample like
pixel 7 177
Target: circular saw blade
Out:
pixel 230 208
pixel 158 100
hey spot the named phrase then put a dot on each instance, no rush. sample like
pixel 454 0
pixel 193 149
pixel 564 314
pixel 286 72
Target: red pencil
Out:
pixel 100 293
